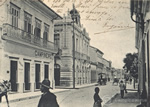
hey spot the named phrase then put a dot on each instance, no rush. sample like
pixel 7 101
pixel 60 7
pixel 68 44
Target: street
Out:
pixel 82 97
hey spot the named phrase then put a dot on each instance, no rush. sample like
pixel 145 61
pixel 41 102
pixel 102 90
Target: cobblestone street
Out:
pixel 73 97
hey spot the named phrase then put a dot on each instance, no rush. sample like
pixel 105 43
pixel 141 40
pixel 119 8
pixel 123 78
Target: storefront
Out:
pixel 26 66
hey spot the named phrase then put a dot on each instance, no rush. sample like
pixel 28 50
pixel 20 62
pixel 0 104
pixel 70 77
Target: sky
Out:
pixel 108 23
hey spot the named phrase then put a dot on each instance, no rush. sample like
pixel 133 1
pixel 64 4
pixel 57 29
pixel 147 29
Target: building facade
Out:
pixel 140 9
pixel 107 68
pixel 27 45
pixel 73 42
pixel 97 66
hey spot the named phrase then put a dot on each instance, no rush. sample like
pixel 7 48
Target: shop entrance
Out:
pixel 57 74
pixel 37 76
pixel 13 75
pixel 46 71
pixel 27 76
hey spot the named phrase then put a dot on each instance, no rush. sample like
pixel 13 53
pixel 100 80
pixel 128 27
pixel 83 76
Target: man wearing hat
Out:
pixel 47 99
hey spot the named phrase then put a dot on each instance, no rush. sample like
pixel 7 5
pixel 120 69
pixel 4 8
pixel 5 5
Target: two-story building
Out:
pixel 96 60
pixel 27 46
pixel 140 14
pixel 107 68
pixel 73 61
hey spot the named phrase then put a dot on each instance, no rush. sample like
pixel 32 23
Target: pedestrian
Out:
pixel 122 88
pixel 47 99
pixel 97 99
pixel 130 80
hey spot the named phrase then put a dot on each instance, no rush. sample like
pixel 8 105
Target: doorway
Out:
pixel 57 74
pixel 13 75
pixel 46 71
pixel 37 76
pixel 27 76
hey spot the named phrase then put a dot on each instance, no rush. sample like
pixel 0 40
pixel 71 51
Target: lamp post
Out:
pixel 73 49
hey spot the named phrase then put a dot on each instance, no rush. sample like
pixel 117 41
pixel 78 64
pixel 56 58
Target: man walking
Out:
pixel 47 99
pixel 122 88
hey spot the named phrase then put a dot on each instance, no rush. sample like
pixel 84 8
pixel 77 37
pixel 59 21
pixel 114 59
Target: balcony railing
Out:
pixel 13 33
pixel 77 54
pixel 84 57
pixel 81 56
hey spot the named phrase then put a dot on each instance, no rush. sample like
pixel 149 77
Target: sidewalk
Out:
pixel 28 95
pixel 131 99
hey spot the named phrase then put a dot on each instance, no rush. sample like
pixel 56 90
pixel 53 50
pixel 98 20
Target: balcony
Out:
pixel 88 58
pixel 79 55
pixel 84 56
pixel 18 35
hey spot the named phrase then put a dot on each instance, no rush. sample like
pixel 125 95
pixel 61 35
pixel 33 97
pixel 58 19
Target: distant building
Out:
pixel 27 46
pixel 63 37
pixel 96 63
pixel 107 68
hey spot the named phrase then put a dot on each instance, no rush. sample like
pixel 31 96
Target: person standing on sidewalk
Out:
pixel 97 99
pixel 130 80
pixel 122 88
pixel 47 99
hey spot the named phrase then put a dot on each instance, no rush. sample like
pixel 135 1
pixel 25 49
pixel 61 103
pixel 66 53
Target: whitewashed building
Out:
pixel 96 60
pixel 63 37
pixel 107 67
pixel 26 44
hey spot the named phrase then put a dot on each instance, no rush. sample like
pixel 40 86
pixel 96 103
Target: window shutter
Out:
pixel 35 31
pixel 29 28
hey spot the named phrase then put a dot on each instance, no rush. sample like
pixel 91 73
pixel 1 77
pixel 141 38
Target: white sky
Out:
pixel 108 24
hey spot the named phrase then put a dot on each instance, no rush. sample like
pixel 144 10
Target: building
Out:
pixel 140 9
pixel 97 65
pixel 72 63
pixel 107 67
pixel 27 46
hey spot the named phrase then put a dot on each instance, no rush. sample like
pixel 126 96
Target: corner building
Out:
pixel 26 44
pixel 63 37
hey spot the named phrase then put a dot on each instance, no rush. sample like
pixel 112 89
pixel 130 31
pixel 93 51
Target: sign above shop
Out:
pixel 43 54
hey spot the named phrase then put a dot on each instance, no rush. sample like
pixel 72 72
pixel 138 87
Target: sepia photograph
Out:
pixel 74 53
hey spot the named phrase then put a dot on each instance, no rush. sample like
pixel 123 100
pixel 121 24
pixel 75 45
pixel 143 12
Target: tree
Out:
pixel 131 64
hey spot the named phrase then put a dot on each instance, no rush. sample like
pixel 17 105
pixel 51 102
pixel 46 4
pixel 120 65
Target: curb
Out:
pixel 110 101
pixel 30 97
pixel 35 96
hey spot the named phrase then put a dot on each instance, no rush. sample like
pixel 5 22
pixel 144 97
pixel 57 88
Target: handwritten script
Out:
pixel 108 14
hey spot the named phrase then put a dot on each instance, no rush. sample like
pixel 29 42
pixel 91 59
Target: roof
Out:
pixel 56 16
pixel 97 49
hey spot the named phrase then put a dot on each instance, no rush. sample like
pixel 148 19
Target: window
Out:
pixel 15 12
pixel 57 40
pixel 45 34
pixel 27 22
pixel 37 30
pixel 27 25
pixel 76 44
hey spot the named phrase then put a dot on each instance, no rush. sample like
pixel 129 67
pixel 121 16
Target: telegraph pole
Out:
pixel 73 48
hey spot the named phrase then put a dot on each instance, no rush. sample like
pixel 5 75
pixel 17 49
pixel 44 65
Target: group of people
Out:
pixel 98 100
pixel 48 99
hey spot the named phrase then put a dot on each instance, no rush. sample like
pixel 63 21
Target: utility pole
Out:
pixel 73 48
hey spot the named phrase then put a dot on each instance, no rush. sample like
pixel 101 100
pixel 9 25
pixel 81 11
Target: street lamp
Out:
pixel 73 48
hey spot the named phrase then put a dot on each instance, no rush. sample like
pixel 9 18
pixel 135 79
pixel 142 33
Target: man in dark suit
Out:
pixel 47 99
